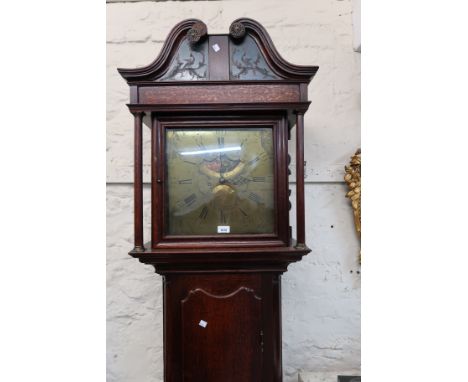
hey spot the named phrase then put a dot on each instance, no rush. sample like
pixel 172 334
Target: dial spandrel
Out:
pixel 219 177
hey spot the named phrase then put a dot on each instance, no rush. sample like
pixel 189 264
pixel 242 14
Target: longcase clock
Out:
pixel 221 109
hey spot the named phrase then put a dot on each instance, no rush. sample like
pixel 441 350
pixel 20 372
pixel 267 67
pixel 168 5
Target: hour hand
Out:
pixel 211 169
pixel 235 172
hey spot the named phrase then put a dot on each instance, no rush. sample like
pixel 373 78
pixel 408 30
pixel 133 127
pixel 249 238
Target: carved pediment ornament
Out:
pixel 194 32
pixel 237 30
pixel 197 32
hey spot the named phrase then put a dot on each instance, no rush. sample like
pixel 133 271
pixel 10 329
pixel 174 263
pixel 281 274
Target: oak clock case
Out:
pixel 221 109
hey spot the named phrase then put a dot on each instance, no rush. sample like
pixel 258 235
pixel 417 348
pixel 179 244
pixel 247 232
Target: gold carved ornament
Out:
pixel 353 180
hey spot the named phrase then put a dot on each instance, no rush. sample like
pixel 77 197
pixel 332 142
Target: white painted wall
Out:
pixel 321 298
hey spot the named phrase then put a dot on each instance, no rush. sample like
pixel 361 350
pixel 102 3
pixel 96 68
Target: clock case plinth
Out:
pixel 222 296
pixel 202 259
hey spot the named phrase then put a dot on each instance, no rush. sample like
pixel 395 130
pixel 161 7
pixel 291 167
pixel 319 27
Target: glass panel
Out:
pixel 220 181
pixel 247 62
pixel 189 64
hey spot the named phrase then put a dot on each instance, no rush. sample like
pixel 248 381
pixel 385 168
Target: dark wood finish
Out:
pixel 283 68
pixel 199 258
pixel 134 94
pixel 279 125
pixel 256 301
pixel 216 94
pixel 232 282
pixel 138 182
pixel 159 66
pixel 218 59
pixel 156 190
pixel 222 336
pixel 300 213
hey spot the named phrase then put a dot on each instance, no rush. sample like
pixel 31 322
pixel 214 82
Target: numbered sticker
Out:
pixel 224 229
pixel 216 48
pixel 203 323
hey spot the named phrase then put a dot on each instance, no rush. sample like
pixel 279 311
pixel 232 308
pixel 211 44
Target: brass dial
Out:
pixel 220 181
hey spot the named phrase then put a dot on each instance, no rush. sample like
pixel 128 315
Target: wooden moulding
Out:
pixel 232 93
pixel 280 237
pixel 207 260
pixel 158 67
pixel 283 68
pixel 244 108
pixel 238 30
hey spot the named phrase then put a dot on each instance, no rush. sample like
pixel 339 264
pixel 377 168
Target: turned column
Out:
pixel 138 180
pixel 300 215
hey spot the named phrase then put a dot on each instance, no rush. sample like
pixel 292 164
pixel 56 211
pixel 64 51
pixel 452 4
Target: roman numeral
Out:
pixel 200 144
pixel 203 213
pixel 253 161
pixel 240 180
pixel 259 157
pixel 189 200
pixel 255 198
pixel 222 217
pixel 221 142
pixel 185 181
